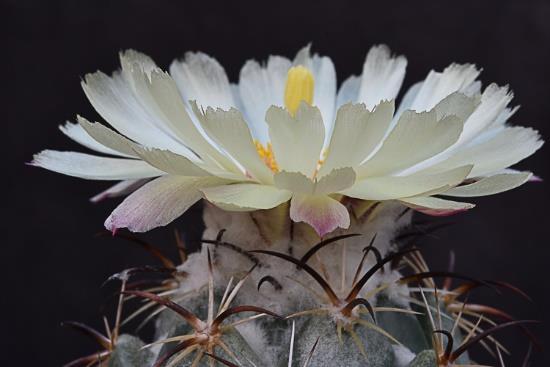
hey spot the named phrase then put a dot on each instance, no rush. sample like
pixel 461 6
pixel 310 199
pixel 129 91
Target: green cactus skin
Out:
pixel 331 352
pixel 426 358
pixel 128 352
pixel 267 342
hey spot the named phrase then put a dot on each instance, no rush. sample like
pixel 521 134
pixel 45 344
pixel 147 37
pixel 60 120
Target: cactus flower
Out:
pixel 285 132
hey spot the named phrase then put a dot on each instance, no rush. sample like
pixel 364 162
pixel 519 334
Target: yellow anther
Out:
pixel 299 87
pixel 266 154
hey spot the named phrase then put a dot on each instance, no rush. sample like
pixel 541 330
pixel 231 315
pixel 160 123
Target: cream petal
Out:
pixel 494 101
pixel 92 167
pixel 260 88
pixel 435 206
pixel 322 212
pixel 157 91
pixel 396 187
pixel 357 132
pixel 229 130
pixel 382 76
pixel 324 95
pixel 457 104
pixel 171 163
pixel 533 178
pixel 337 180
pixel 79 135
pixel 415 138
pixel 158 203
pixel 246 196
pixel 490 185
pixel 438 85
pixel 113 99
pixel 164 160
pixel 201 78
pixel 106 137
pixel 297 141
pixel 294 181
pixel 348 92
pixel 493 151
pixel 120 189
pixel 407 100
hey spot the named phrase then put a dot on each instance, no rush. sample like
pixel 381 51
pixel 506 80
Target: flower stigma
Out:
pixel 299 87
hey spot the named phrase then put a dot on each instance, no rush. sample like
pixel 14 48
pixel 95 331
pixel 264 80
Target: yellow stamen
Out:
pixel 299 87
pixel 266 154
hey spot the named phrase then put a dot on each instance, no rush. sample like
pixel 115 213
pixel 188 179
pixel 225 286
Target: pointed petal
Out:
pixel 201 78
pixel 439 85
pixel 415 138
pixel 395 187
pixel 494 151
pixel 382 76
pixel 92 167
pixel 107 137
pixel 79 135
pixel 120 189
pixel 490 185
pixel 357 132
pixel 247 196
pixel 494 101
pixel 260 88
pixel 158 203
pixel 297 141
pixel 349 91
pixel 457 104
pixel 435 206
pixel 324 95
pixel 322 212
pixel 158 93
pixel 230 131
pixel 407 100
pixel 114 100
pixel 164 160
pixel 171 163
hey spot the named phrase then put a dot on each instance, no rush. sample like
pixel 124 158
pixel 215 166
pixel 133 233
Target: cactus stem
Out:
pixel 205 335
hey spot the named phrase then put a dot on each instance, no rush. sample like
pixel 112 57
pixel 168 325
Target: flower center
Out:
pixel 299 87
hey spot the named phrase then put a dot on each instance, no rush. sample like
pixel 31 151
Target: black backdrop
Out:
pixel 53 266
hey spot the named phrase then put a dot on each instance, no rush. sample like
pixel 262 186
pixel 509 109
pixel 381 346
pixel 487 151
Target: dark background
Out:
pixel 53 266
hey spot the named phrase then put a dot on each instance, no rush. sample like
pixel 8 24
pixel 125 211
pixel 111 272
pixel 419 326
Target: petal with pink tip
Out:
pixel 322 212
pixel 436 207
pixel 158 202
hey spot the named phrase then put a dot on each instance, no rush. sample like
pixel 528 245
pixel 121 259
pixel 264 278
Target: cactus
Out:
pixel 280 296
pixel 309 254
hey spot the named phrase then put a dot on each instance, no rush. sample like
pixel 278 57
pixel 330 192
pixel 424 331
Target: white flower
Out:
pixel 284 133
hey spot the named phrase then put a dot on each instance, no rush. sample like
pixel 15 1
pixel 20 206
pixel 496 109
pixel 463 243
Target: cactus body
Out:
pixel 318 332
